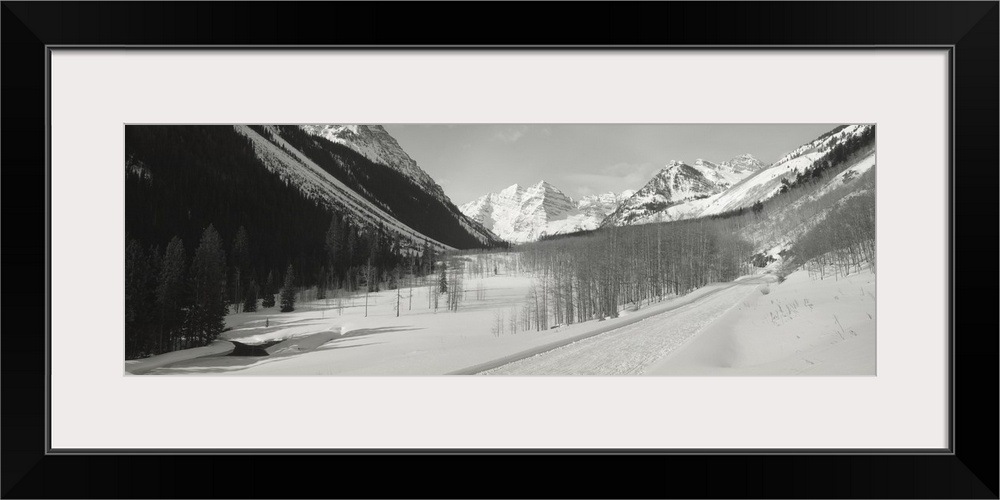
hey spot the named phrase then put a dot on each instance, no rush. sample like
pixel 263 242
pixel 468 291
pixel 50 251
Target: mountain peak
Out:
pixel 519 214
pixel 744 156
pixel 744 163
pixel 545 185
pixel 511 190
pixel 375 143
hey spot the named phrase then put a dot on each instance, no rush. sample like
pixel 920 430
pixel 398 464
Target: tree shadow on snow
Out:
pixel 234 365
pixel 362 332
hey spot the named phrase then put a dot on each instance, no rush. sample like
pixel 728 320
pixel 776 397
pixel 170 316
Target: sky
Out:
pixel 470 160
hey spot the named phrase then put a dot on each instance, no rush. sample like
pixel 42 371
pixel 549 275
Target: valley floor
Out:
pixel 800 326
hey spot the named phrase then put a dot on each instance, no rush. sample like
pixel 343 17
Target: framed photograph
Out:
pixel 268 243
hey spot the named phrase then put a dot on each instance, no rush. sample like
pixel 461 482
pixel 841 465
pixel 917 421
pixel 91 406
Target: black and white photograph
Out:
pixel 263 236
pixel 500 249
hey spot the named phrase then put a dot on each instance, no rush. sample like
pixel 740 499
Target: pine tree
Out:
pixel 352 245
pixel 322 281
pixel 443 278
pixel 368 280
pixel 334 245
pixel 250 300
pixel 288 291
pixel 171 293
pixel 138 299
pixel 427 260
pixel 268 291
pixel 208 286
pixel 240 260
pixel 374 272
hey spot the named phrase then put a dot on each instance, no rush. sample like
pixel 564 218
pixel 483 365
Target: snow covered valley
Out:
pixel 751 326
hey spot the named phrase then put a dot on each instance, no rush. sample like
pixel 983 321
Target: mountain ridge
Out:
pixel 755 184
pixel 678 182
pixel 520 214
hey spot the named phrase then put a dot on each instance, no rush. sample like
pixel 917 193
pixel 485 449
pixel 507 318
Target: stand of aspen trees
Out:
pixel 596 275
pixel 844 241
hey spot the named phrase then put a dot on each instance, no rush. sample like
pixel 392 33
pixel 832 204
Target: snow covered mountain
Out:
pixel 375 143
pixel 730 172
pixel 756 184
pixel 362 172
pixel 518 214
pixel 680 191
pixel 677 183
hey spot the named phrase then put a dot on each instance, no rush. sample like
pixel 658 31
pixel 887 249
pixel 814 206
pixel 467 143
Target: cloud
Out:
pixel 510 134
pixel 616 178
pixel 633 174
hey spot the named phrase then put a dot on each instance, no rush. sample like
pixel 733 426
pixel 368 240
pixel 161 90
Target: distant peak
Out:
pixel 744 157
pixel 546 186
pixel 744 162
pixel 512 189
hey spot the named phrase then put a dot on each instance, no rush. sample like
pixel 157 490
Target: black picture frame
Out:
pixel 967 30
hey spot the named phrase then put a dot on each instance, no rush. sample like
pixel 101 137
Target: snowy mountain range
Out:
pixel 518 214
pixel 679 182
pixel 678 191
pixel 691 199
pixel 362 172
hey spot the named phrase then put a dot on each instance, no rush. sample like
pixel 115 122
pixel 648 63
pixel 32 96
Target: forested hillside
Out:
pixel 393 192
pixel 209 229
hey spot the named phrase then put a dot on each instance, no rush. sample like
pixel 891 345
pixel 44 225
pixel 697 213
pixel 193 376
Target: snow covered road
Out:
pixel 629 349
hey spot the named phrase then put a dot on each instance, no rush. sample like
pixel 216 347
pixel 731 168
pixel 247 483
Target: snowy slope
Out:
pixel 730 172
pixel 518 214
pixel 679 183
pixel 766 183
pixel 847 176
pixel 803 326
pixel 752 184
pixel 297 169
pixel 786 224
pixel 374 143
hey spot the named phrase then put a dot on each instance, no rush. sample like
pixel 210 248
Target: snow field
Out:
pixel 628 350
pixel 753 326
pixel 323 337
pixel 141 366
pixel 800 327
pixel 333 337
